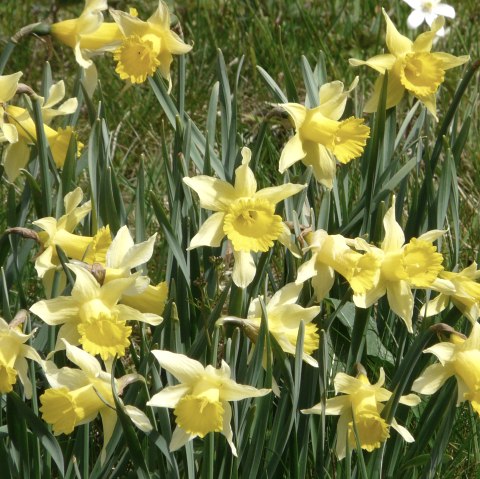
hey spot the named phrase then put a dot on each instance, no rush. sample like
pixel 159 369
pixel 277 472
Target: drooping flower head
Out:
pixel 8 88
pixel 88 35
pixel 77 396
pixel 200 401
pixel 17 154
pixel 243 214
pixel 427 11
pixel 459 357
pixel 91 316
pixel 284 317
pixel 411 67
pixel 330 254
pixel 147 46
pixel 361 405
pixel 402 267
pixel 60 232
pixel 320 137
pixel 465 296
pixel 13 357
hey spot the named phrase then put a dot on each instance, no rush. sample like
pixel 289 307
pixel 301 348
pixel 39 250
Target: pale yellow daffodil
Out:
pixel 147 46
pixel 122 256
pixel 60 233
pixel 243 214
pixel 361 404
pixel 77 396
pixel 411 67
pixel 320 137
pixel 402 267
pixel 200 401
pixel 8 88
pixel 466 296
pixel 91 316
pixel 284 317
pixel 330 254
pixel 17 154
pixel 88 35
pixel 459 357
pixel 13 358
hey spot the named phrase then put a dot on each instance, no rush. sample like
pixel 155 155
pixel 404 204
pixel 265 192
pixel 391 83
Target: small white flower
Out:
pixel 428 11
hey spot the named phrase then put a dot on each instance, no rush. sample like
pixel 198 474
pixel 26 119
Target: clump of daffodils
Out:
pixel 243 214
pixel 360 409
pixel 201 400
pixel 321 137
pixel 411 66
pixel 146 46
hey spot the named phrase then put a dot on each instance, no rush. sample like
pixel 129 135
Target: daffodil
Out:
pixel 428 11
pixel 243 214
pixel 320 137
pixel 122 256
pixel 411 67
pixel 13 357
pixel 77 396
pixel 459 357
pixel 361 405
pixel 284 317
pixel 402 267
pixel 17 154
pixel 60 233
pixel 147 46
pixel 331 253
pixel 91 316
pixel 465 296
pixel 88 35
pixel 8 88
pixel 200 401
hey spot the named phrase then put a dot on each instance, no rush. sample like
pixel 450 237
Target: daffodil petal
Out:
pixel 183 368
pixel 179 439
pixel 244 268
pixel 432 379
pixel 397 44
pixel 227 427
pixel 403 431
pixel 400 299
pixel 56 311
pixel 292 152
pixel 275 194
pixel 297 113
pixel 169 396
pixel 86 362
pixel 214 194
pixel 210 233
pixel 380 63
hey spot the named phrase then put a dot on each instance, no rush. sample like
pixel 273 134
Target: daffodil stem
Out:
pixel 358 337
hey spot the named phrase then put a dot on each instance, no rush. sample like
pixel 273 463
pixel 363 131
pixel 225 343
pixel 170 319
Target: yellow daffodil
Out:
pixel 243 214
pixel 17 154
pixel 88 35
pixel 91 316
pixel 411 67
pixel 321 137
pixel 459 357
pixel 8 88
pixel 13 358
pixel 331 253
pixel 77 396
pixel 361 404
pixel 122 256
pixel 200 401
pixel 402 267
pixel 147 46
pixel 60 232
pixel 284 317
pixel 466 295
